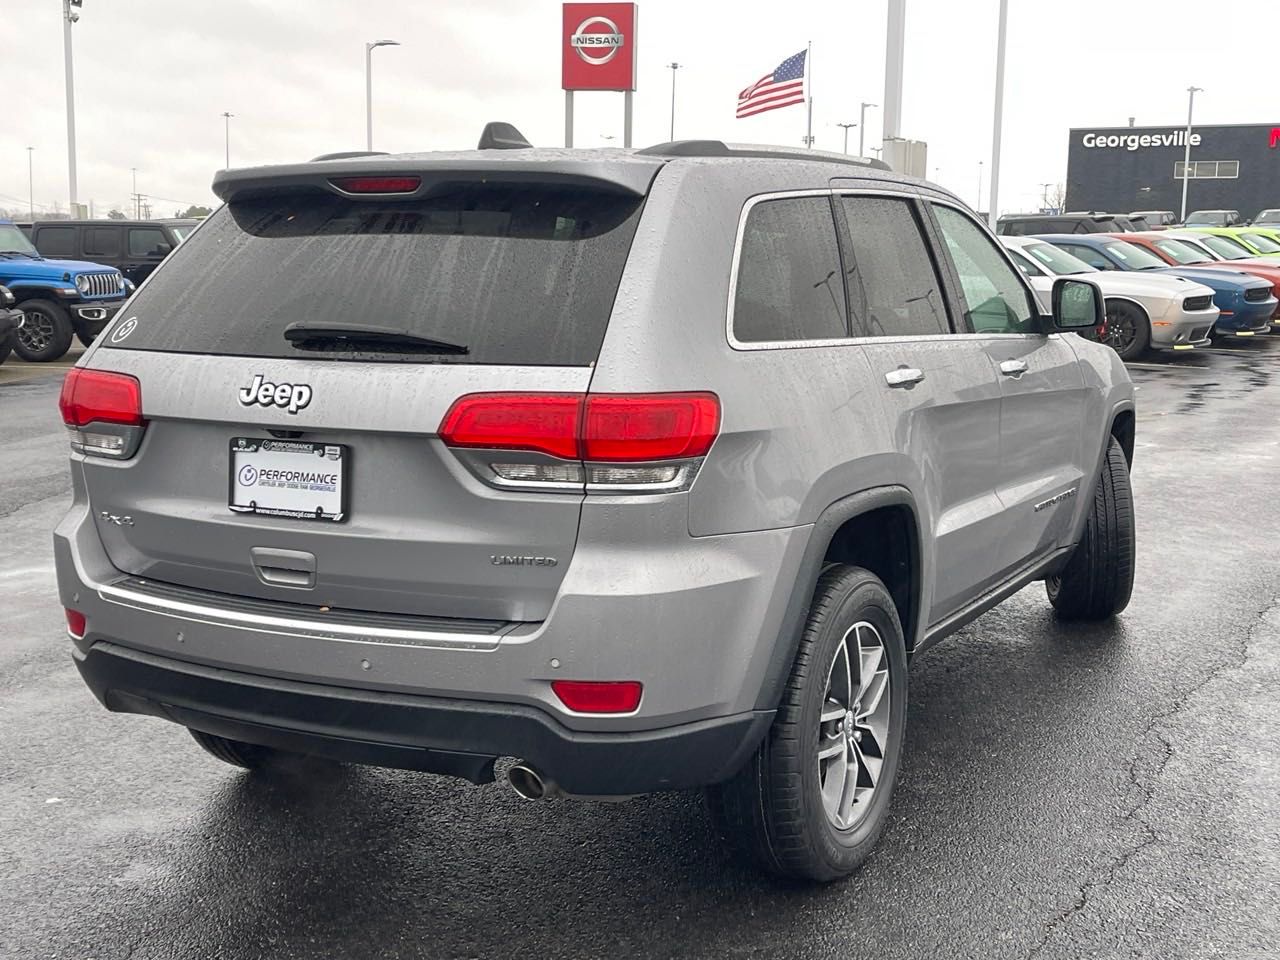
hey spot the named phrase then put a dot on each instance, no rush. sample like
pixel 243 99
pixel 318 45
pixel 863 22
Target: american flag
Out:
pixel 781 88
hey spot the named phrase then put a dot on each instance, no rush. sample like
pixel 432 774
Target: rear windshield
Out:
pixel 516 273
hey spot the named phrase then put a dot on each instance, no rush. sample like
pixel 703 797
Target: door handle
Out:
pixel 1013 368
pixel 903 377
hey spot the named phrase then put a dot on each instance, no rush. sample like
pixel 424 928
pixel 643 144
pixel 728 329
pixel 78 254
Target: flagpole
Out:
pixel 808 72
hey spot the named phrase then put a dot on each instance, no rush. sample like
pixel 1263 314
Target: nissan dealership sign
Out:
pixel 598 46
pixel 1138 141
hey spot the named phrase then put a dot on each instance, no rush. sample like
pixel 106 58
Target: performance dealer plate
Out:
pixel 288 478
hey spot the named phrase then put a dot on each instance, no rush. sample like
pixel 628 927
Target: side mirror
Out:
pixel 1078 305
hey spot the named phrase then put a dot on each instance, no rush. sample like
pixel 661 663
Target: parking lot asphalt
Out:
pixel 1068 791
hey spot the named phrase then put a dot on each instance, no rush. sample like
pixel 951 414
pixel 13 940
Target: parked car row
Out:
pixel 70 277
pixel 1244 292
pixel 1137 221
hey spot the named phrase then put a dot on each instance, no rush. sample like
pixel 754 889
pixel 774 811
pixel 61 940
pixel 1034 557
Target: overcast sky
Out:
pixel 153 77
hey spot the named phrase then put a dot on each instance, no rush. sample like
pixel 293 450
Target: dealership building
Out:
pixel 1118 169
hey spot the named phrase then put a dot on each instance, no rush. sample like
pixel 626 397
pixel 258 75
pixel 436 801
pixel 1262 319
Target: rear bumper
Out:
pixel 448 736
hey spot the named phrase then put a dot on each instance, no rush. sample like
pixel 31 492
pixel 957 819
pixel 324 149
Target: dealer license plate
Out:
pixel 288 478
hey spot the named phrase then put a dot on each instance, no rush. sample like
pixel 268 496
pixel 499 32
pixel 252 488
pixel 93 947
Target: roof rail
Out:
pixel 718 148
pixel 348 154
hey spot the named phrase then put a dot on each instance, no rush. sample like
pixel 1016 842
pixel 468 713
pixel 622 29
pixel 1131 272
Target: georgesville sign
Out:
pixel 1138 141
pixel 598 46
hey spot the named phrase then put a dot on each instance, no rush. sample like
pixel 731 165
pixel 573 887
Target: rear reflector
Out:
pixel 598 427
pixel 76 623
pixel 96 396
pixel 588 696
pixel 377 184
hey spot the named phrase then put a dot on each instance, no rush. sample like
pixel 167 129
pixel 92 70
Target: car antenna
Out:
pixel 502 136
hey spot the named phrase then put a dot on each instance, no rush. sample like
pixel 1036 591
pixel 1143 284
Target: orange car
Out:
pixel 1185 252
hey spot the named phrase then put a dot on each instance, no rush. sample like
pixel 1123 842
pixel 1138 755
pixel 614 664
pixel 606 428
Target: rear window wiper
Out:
pixel 368 336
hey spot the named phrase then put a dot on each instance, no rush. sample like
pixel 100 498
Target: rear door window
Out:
pixel 893 286
pixel 147 242
pixel 517 273
pixel 102 242
pixel 789 285
pixel 56 241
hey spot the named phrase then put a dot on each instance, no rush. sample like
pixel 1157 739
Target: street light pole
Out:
pixel 70 14
pixel 226 117
pixel 368 86
pixel 846 135
pixel 1044 195
pixel 31 192
pixel 862 128
pixel 137 201
pixel 979 206
pixel 673 67
pixel 998 120
pixel 1186 156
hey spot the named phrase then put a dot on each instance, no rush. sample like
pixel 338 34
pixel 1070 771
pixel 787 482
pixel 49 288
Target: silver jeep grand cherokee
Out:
pixel 650 469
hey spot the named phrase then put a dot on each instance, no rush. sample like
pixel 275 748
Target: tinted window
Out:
pixel 102 242
pixel 1262 243
pixel 789 273
pixel 146 242
pixel 1089 255
pixel 1226 247
pixel 996 301
pixel 519 273
pixel 893 287
pixel 1056 260
pixel 1180 252
pixel 1028 268
pixel 56 241
pixel 1132 256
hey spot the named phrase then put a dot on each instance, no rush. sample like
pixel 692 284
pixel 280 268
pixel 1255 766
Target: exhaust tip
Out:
pixel 527 782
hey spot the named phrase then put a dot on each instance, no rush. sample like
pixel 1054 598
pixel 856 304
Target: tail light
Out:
pixel 590 696
pixel 642 442
pixel 104 410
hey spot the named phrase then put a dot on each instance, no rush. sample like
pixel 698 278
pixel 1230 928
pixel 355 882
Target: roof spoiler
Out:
pixel 348 154
pixel 502 136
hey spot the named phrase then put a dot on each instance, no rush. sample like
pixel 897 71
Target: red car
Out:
pixel 1178 252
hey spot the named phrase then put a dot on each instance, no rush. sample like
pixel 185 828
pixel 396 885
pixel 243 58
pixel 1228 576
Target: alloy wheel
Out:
pixel 853 735
pixel 1122 331
pixel 37 332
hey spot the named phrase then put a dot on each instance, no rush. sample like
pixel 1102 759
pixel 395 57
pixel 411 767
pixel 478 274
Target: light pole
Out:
pixel 1044 195
pixel 137 204
pixel 31 192
pixel 979 206
pixel 997 121
pixel 368 86
pixel 862 128
pixel 226 117
pixel 1186 156
pixel 846 135
pixel 673 67
pixel 70 14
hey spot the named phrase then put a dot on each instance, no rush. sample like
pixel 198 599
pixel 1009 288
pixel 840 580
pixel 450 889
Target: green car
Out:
pixel 1258 241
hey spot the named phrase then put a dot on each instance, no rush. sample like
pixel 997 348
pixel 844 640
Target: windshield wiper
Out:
pixel 368 336
pixel 19 253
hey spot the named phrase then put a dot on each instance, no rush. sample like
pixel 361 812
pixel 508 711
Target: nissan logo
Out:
pixel 596 48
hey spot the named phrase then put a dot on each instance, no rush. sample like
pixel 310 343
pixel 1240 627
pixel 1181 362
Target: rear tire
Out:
pixel 813 800
pixel 248 756
pixel 1128 329
pixel 1097 581
pixel 46 335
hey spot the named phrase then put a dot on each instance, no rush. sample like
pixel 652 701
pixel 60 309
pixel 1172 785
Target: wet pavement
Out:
pixel 1067 792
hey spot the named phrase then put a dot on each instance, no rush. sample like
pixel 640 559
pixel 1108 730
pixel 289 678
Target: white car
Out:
pixel 1144 311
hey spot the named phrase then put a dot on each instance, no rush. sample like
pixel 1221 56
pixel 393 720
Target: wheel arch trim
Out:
pixel 824 529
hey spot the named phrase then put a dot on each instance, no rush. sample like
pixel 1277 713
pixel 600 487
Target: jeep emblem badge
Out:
pixel 292 396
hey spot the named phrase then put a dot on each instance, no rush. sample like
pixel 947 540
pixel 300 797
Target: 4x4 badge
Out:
pixel 292 396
